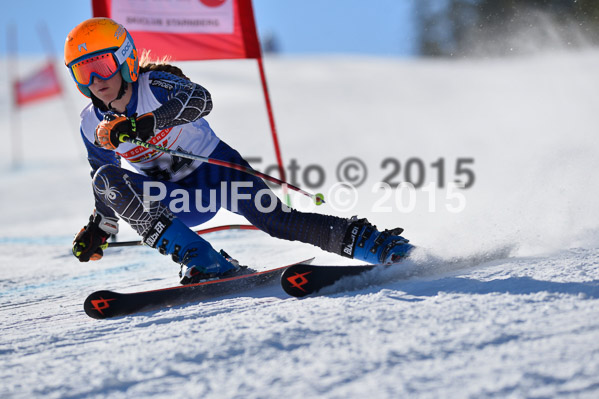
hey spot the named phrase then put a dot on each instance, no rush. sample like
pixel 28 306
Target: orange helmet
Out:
pixel 100 47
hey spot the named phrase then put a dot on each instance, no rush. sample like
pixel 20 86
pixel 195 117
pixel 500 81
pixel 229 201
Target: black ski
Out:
pixel 105 304
pixel 304 279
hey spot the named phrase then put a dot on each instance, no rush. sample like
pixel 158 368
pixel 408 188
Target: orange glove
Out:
pixel 92 240
pixel 114 127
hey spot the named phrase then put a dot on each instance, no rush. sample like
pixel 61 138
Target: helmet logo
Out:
pixel 84 46
pixel 125 50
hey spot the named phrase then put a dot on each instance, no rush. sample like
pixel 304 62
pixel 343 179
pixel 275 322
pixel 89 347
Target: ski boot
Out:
pixel 199 261
pixel 364 242
pixel 191 274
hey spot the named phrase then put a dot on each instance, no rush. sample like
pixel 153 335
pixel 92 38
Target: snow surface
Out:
pixel 500 300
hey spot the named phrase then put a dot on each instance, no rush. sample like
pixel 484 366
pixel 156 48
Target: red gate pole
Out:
pixel 273 129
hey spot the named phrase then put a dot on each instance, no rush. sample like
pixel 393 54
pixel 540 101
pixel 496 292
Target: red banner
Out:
pixel 193 30
pixel 42 84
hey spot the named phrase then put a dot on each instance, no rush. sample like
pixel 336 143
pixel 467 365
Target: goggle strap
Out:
pixel 124 51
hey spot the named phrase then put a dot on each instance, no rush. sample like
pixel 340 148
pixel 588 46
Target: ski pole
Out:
pixel 200 232
pixel 317 198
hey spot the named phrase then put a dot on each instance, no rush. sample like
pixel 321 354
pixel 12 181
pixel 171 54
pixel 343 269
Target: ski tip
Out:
pixel 296 280
pixel 98 305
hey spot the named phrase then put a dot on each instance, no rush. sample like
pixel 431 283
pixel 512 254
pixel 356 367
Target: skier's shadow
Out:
pixel 227 303
pixel 511 285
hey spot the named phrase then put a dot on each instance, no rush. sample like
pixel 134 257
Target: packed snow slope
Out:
pixel 501 299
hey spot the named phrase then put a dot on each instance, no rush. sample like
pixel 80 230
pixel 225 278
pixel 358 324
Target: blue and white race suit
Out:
pixel 179 107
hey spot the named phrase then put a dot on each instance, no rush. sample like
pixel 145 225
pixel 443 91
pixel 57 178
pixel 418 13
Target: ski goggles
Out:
pixel 103 65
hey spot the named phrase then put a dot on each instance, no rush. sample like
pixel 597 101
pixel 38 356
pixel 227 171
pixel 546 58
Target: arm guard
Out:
pixel 182 101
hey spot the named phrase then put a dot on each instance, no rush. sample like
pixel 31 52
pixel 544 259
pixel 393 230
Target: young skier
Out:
pixel 158 104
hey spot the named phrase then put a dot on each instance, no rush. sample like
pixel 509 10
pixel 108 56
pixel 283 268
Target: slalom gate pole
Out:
pixel 317 198
pixel 200 232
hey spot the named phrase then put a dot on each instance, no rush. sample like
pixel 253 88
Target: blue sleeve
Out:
pixel 182 100
pixel 97 158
